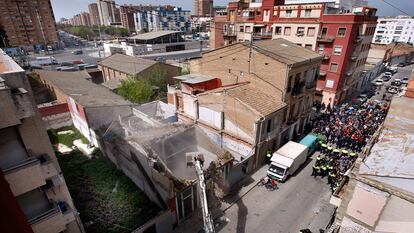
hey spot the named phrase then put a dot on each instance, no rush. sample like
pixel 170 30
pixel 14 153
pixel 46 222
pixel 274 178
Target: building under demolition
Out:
pixel 158 156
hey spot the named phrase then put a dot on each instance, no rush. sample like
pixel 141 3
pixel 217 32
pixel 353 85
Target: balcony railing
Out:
pixel 326 39
pixel 354 57
pixel 263 35
pixel 358 39
pixel 56 218
pixel 230 33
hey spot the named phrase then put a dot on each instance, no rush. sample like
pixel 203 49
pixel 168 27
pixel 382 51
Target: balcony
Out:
pixel 262 35
pixel 297 89
pixel 325 39
pixel 354 57
pixel 358 39
pixel 326 56
pixel 54 219
pixel 271 135
pixel 230 33
pixel 310 85
pixel 23 103
pixel 30 173
pixel 24 176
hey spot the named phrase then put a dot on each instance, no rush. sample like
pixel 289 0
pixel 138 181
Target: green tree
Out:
pixel 137 90
pixel 157 77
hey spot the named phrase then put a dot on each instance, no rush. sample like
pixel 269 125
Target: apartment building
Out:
pixel 162 20
pixel 394 29
pixel 85 19
pixel 106 11
pixel 94 14
pixel 28 23
pixel 250 99
pixel 34 191
pixel 203 8
pixel 343 37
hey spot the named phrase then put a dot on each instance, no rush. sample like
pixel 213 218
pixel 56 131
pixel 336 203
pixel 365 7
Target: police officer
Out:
pixel 315 170
pixel 324 170
pixel 331 177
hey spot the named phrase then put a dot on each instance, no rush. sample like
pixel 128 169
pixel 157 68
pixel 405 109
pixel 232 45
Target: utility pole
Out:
pixel 250 52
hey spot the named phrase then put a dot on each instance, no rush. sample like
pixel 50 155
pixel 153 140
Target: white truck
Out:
pixel 287 160
pixel 45 61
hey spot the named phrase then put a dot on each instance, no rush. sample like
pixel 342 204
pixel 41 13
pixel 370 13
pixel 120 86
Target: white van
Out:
pixel 46 61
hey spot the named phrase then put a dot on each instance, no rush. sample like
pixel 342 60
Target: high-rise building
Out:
pixel 94 13
pixel 394 29
pixel 85 19
pixel 203 7
pixel 34 196
pixel 106 11
pixel 28 23
pixel 163 19
pixel 342 36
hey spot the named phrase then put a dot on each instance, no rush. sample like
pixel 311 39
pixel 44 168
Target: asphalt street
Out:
pixel 402 73
pixel 301 202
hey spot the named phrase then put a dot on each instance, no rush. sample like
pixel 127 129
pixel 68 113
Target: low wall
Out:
pixel 55 116
pixel 159 224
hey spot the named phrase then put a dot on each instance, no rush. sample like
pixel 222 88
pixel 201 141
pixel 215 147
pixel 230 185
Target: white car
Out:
pixel 379 82
pixel 393 90
pixel 388 74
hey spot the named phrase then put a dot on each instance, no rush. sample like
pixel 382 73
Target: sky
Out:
pixel 68 8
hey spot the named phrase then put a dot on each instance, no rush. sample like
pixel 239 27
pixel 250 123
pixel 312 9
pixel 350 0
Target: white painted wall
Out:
pixel 210 117
pixel 189 105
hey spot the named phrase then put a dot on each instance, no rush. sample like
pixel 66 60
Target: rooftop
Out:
pixel 7 64
pixel 127 64
pixel 76 85
pixel 193 78
pixel 247 94
pixel 391 160
pixel 152 35
pixel 286 51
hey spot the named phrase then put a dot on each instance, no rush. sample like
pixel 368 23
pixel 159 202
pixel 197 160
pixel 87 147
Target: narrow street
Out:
pixel 301 202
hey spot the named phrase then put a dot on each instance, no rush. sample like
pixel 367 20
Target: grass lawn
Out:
pixel 66 139
pixel 108 201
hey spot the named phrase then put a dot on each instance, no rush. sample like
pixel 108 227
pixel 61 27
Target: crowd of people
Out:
pixel 346 130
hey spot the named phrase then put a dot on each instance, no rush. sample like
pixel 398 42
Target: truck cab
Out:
pixel 287 160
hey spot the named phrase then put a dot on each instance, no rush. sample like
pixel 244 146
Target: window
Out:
pixel 337 50
pixel 287 31
pixel 269 125
pixel 289 88
pixel 248 29
pixel 266 12
pixel 333 67
pixel 275 13
pixel 324 32
pixel 300 31
pixel 308 46
pixel 278 31
pixel 225 28
pixel 341 32
pixel 321 48
pixel 288 13
pixel 308 13
pixel 241 29
pixel 311 31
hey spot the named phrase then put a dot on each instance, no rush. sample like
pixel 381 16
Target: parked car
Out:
pixel 386 78
pixel 396 82
pixel 402 64
pixel 405 80
pixel 362 98
pixel 66 64
pixel 379 82
pixel 393 90
pixel 77 52
pixel 388 73
pixel 77 62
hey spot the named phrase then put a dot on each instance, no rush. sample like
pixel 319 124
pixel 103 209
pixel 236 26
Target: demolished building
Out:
pixel 158 156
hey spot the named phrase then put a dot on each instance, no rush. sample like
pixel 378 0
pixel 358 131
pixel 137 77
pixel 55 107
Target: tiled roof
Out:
pixel 257 100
